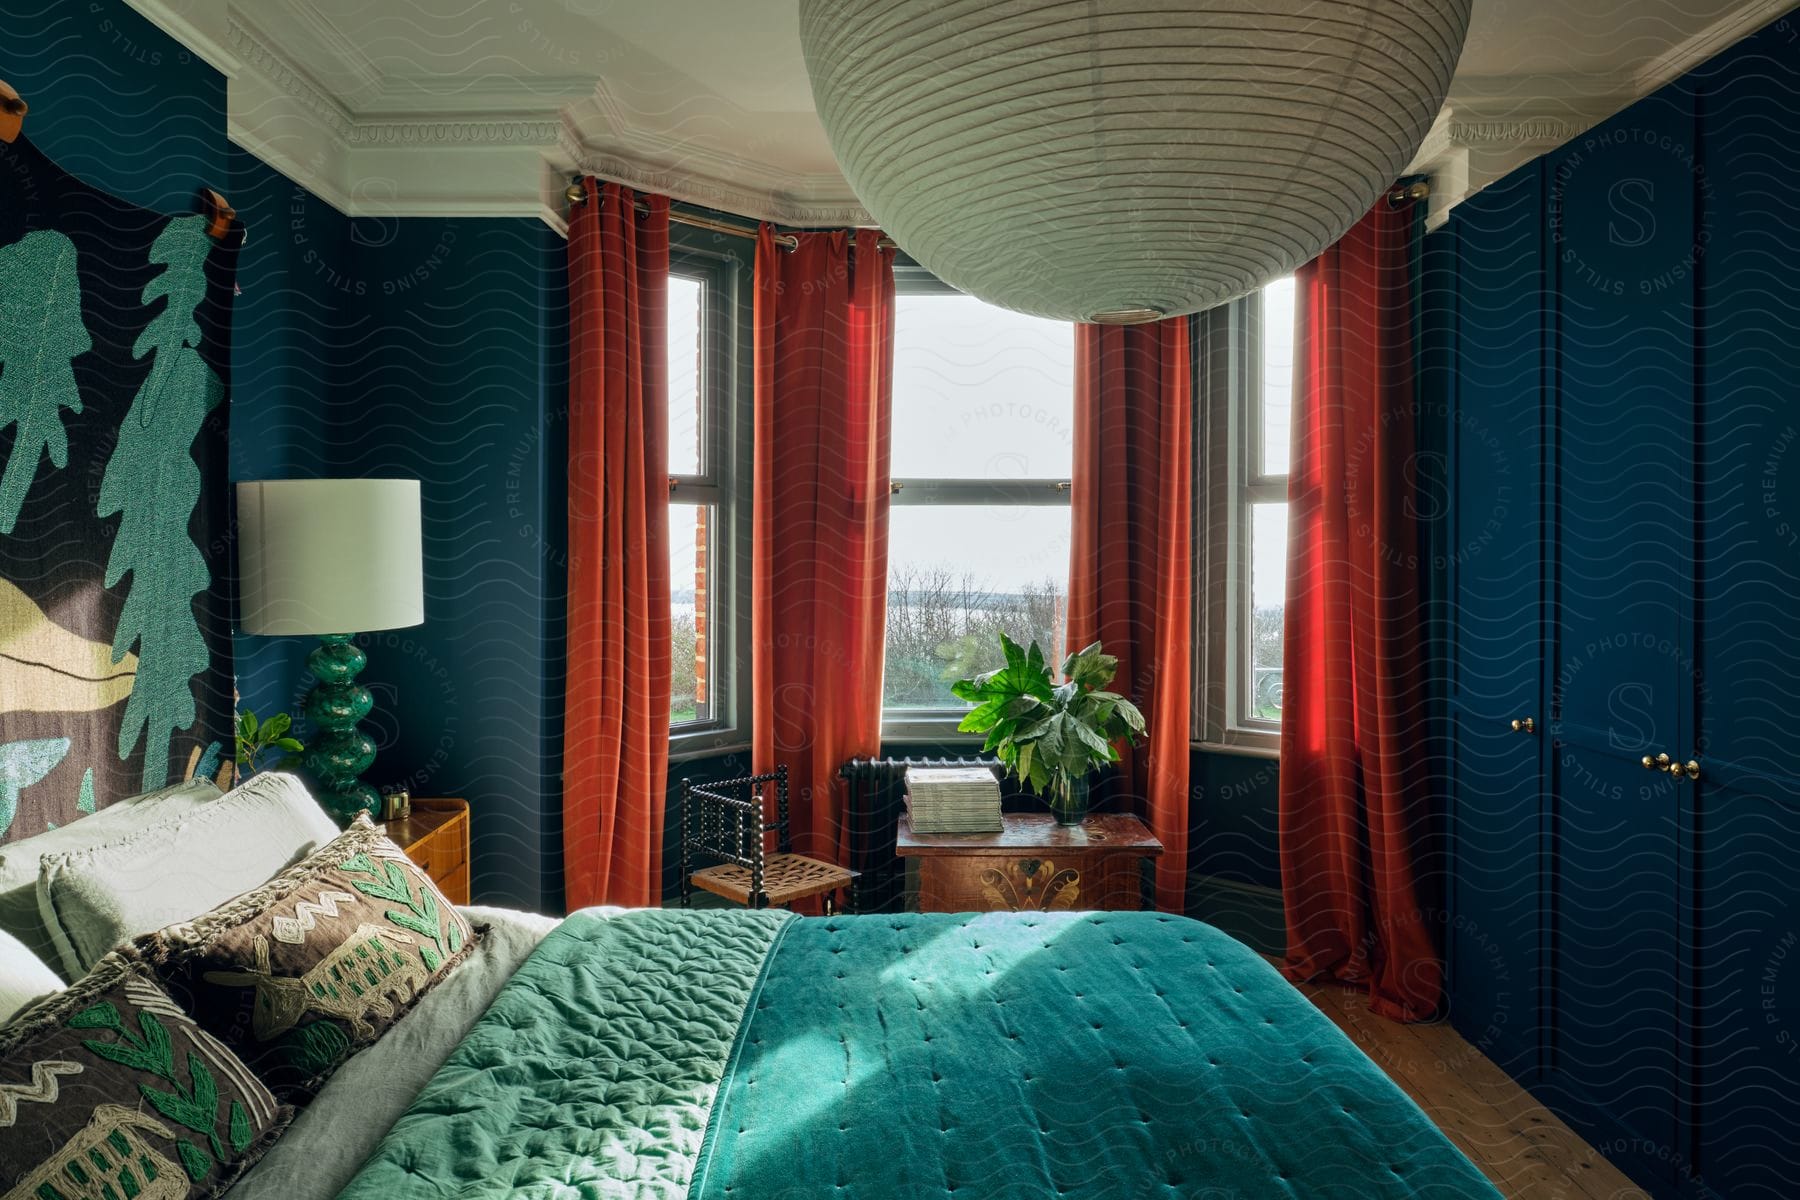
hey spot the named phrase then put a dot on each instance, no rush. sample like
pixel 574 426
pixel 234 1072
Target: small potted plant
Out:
pixel 258 739
pixel 1051 736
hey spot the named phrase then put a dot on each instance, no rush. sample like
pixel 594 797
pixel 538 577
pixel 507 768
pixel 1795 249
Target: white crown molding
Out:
pixel 429 146
pixel 1693 50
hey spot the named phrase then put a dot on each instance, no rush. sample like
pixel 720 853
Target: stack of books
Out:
pixel 952 800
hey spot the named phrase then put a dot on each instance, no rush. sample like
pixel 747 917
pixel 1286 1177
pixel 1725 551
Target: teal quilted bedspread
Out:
pixel 1084 1056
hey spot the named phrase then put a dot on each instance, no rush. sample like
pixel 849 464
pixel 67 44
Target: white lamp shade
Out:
pixel 1095 161
pixel 325 556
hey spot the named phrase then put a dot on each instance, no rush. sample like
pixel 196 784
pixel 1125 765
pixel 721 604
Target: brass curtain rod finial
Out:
pixel 575 193
pixel 1418 189
pixel 12 112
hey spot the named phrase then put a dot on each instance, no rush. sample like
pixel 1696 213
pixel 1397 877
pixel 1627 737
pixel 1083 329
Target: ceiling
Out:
pixel 483 106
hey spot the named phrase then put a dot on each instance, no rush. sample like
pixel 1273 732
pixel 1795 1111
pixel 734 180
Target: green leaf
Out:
pixel 194 1159
pixel 1015 654
pixel 104 1015
pixel 291 745
pixel 241 1132
pixel 275 726
pixel 41 336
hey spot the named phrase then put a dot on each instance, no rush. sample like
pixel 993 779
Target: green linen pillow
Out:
pixel 20 861
pixel 109 1089
pixel 316 964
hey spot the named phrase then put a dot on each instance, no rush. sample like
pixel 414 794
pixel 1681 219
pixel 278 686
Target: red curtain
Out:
pixel 616 740
pixel 1131 565
pixel 1353 811
pixel 824 385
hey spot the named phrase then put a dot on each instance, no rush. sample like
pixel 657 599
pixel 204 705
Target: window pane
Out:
pixel 690 556
pixel 957 576
pixel 1277 374
pixel 684 375
pixel 981 392
pixel 1268 587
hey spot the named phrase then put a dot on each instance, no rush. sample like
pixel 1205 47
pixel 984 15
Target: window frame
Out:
pixel 1228 388
pixel 938 725
pixel 727 375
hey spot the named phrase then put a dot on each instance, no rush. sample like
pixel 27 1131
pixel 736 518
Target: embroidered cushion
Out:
pixel 24 977
pixel 20 860
pixel 93 899
pixel 110 1090
pixel 315 965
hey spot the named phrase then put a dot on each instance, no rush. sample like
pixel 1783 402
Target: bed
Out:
pixel 744 1055
pixel 738 1054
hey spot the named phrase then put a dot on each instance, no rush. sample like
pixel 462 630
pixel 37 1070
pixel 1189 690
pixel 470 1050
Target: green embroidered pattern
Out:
pixel 194 1105
pixel 421 914
pixel 40 335
pixel 152 480
pixel 23 764
pixel 315 1048
pixel 85 802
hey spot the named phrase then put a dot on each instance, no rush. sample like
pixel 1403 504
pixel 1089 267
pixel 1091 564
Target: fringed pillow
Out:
pixel 316 964
pixel 109 1089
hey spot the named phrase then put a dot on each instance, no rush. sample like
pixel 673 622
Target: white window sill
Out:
pixel 1244 743
pixel 705 743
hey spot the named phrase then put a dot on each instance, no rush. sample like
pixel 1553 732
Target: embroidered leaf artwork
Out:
pixel 23 764
pixel 40 335
pixel 421 913
pixel 241 1132
pixel 194 1104
pixel 153 482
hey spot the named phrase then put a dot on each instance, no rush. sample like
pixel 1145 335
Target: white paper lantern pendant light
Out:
pixel 1124 161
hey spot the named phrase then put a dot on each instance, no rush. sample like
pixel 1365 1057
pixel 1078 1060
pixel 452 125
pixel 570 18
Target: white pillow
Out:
pixel 24 977
pixel 93 899
pixel 20 861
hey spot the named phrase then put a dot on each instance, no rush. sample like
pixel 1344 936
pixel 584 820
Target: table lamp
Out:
pixel 332 558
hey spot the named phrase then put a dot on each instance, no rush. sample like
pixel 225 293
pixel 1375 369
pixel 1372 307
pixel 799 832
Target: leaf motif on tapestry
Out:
pixel 153 482
pixel 23 764
pixel 41 333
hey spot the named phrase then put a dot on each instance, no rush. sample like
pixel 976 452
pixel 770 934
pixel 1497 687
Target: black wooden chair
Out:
pixel 725 821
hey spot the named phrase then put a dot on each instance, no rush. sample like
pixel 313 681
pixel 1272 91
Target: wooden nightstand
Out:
pixel 436 836
pixel 1032 864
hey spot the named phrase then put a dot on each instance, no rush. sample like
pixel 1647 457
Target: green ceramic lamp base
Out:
pixel 338 752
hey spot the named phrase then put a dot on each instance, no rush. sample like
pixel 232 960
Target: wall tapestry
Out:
pixel 115 635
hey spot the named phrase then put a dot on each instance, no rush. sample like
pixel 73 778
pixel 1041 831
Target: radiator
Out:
pixel 873 808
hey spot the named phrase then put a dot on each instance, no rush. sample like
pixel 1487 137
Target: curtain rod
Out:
pixel 1418 189
pixel 575 194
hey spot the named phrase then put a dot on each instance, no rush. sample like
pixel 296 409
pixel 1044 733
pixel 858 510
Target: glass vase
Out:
pixel 1068 798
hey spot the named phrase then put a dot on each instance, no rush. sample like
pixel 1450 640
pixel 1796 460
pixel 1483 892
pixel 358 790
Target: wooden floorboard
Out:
pixel 1519 1144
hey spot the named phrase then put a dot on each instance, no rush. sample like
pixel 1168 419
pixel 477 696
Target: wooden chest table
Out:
pixel 1032 864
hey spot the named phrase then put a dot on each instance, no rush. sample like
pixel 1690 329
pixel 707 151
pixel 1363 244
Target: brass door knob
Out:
pixel 1524 725
pixel 1689 769
pixel 1659 763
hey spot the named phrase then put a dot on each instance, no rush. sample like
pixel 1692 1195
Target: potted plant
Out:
pixel 256 739
pixel 1051 736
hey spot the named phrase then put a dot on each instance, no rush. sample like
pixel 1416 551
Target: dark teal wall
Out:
pixel 429 348
pixel 116 101
pixel 452 368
